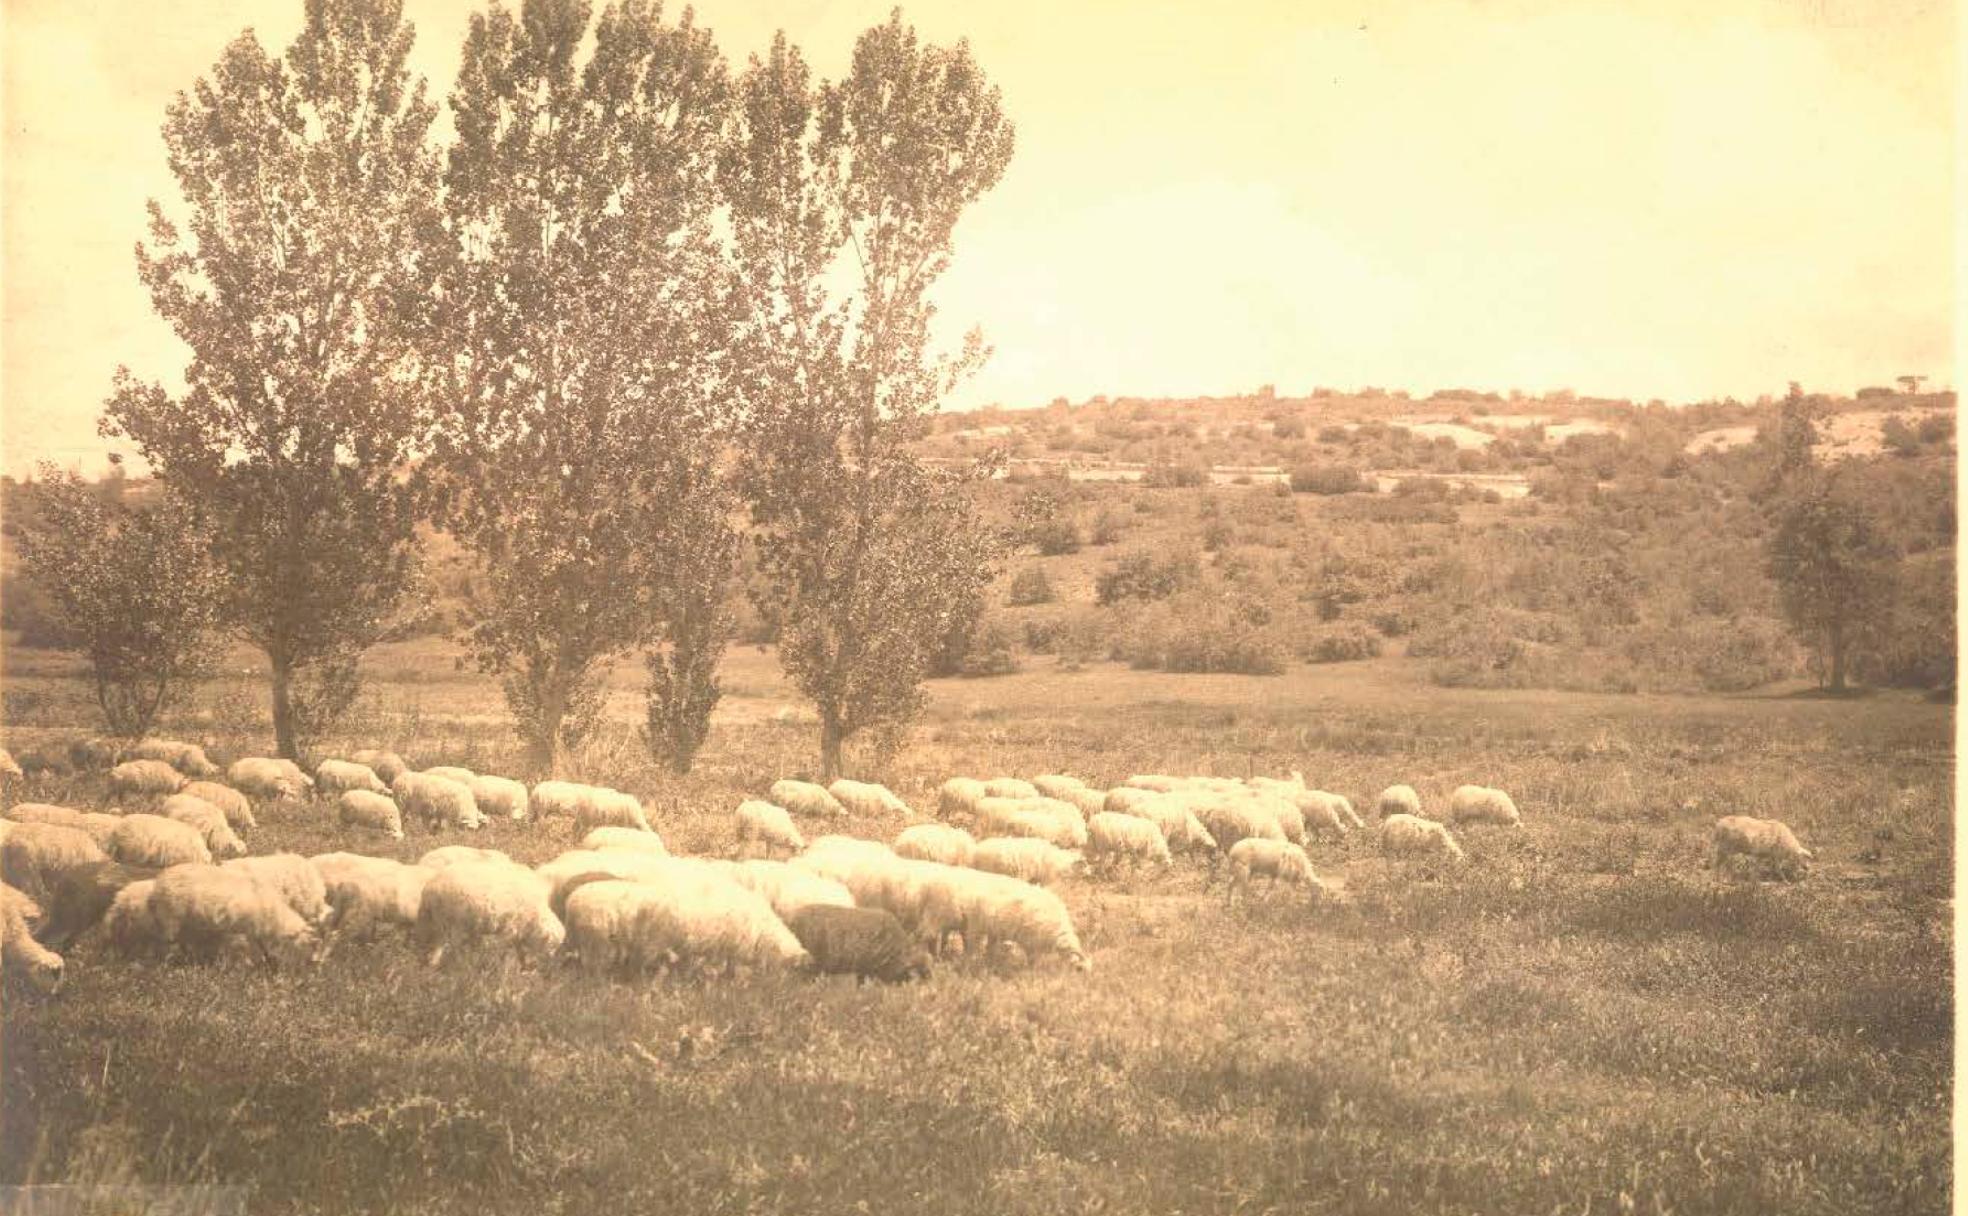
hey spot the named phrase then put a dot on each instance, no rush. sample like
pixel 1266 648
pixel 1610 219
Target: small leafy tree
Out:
pixel 683 683
pixel 581 327
pixel 132 588
pixel 1836 574
pixel 306 181
pixel 869 552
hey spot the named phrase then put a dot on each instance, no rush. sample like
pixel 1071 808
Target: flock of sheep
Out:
pixel 175 878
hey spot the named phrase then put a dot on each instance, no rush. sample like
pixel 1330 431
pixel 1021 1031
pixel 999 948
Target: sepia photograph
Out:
pixel 1041 607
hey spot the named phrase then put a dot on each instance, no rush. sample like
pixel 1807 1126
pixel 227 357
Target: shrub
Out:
pixel 1203 630
pixel 1327 479
pixel 1164 475
pixel 1341 643
pixel 25 608
pixel 1141 576
pixel 1935 427
pixel 1335 434
pixel 1107 528
pixel 1031 586
pixel 990 652
pixel 1075 634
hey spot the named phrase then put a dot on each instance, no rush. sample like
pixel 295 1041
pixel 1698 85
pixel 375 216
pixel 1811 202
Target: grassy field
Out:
pixel 1583 1019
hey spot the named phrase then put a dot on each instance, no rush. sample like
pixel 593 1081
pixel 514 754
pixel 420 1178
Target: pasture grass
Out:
pixel 1583 1018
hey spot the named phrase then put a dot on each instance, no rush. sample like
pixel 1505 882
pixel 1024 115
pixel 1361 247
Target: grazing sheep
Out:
pixel 1129 799
pixel 49 761
pixel 1399 800
pixel 1318 817
pixel 960 796
pixel 1038 825
pixel 1291 820
pixel 98 825
pixel 371 893
pixel 1179 826
pixel 1276 860
pixel 788 888
pixel 1118 838
pixel 867 798
pixel 82 896
pixel 699 915
pixel 768 827
pixel 476 902
pixel 452 772
pixel 1057 785
pixel 568 871
pixel 1482 804
pixel 154 840
pixel 557 798
pixel 1769 842
pixel 265 777
pixel 210 822
pixel 990 908
pixel 449 855
pixel 333 777
pixel 1010 787
pixel 203 906
pixel 1401 833
pixel 1155 782
pixel 1034 861
pixel 144 778
pixel 19 952
pixel 128 925
pixel 238 809
pixel 611 808
pixel 936 842
pixel 866 942
pixel 501 796
pixel 805 798
pixel 1339 804
pixel 373 812
pixel 33 856
pixel 8 766
pixel 1044 818
pixel 436 801
pixel 603 919
pixel 1230 820
pixel 188 758
pixel 386 765
pixel 1088 802
pixel 634 839
pixel 294 877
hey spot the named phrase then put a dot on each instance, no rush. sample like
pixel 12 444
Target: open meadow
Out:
pixel 1581 1019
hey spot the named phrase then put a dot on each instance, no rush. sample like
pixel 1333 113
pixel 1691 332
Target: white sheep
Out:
pixel 1034 861
pixel 1230 820
pixel 703 917
pixel 477 902
pixel 157 841
pixel 269 778
pixel 1088 802
pixel 789 888
pixel 805 798
pixel 1399 800
pixel 1156 782
pixel 372 812
pixel 1179 826
pixel 1337 803
pixel 98 825
pixel 590 806
pixel 128 925
pixel 1129 799
pixel 1403 833
pixel 210 821
pixel 1057 785
pixel 237 807
pixel 19 951
pixel 34 855
pixel 188 758
pixel 449 855
pixel 1769 842
pixel 634 839
pixel 295 877
pixel 936 842
pixel 1125 839
pixel 1010 787
pixel 765 826
pixel 867 798
pixel 368 893
pixel 385 764
pixel 332 777
pixel 571 869
pixel 436 801
pixel 988 908
pixel 1291 820
pixel 959 796
pixel 143 779
pixel 205 906
pixel 500 796
pixel 9 767
pixel 1483 804
pixel 452 772
pixel 1276 860
pixel 558 798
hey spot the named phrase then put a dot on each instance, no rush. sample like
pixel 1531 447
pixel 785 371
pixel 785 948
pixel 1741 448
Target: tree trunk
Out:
pixel 830 745
pixel 544 750
pixel 283 706
pixel 1837 641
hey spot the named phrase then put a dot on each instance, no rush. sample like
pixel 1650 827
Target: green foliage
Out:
pixel 1031 586
pixel 133 589
pixel 296 287
pixel 1836 573
pixel 872 555
pixel 1328 479
pixel 580 341
pixel 1143 576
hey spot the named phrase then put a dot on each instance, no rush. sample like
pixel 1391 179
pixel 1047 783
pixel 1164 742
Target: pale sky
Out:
pixel 1674 198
